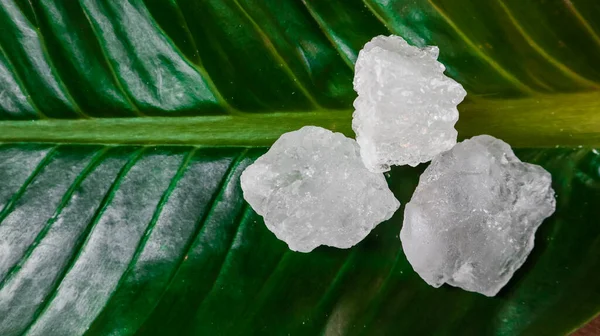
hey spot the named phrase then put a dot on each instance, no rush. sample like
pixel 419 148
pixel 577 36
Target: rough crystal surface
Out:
pixel 472 219
pixel 406 107
pixel 312 189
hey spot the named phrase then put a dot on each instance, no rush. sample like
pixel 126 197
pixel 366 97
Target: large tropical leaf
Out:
pixel 112 238
pixel 117 240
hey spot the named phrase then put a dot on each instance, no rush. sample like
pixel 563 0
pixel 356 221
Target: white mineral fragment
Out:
pixel 406 107
pixel 312 189
pixel 472 219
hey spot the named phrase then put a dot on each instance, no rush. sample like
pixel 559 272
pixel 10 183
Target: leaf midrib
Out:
pixel 569 120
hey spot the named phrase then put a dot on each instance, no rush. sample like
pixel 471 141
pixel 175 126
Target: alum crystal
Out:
pixel 472 219
pixel 406 107
pixel 312 189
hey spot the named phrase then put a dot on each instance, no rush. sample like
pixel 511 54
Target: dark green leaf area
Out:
pixel 124 240
pixel 82 59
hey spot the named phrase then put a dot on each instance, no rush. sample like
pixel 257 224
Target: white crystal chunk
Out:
pixel 472 219
pixel 406 107
pixel 312 189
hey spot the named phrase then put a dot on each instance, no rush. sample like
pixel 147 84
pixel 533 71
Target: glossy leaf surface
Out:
pixel 123 240
pixel 181 57
pixel 104 239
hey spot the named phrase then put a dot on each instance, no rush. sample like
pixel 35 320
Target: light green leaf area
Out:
pixel 124 127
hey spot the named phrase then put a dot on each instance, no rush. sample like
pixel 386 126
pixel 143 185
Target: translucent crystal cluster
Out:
pixel 473 216
pixel 472 219
pixel 406 107
pixel 312 189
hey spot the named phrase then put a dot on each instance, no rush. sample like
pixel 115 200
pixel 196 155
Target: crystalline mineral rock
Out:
pixel 312 189
pixel 406 107
pixel 472 219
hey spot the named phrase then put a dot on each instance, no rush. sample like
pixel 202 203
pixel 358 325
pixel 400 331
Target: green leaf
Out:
pixel 116 238
pixel 157 240
pixel 293 59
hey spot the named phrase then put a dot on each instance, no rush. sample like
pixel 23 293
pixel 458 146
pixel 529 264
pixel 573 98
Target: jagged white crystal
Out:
pixel 406 107
pixel 472 219
pixel 312 189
